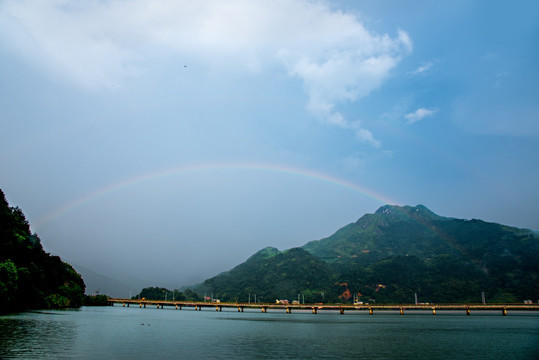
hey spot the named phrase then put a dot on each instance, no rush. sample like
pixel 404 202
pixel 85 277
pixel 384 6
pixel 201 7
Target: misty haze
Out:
pixel 189 145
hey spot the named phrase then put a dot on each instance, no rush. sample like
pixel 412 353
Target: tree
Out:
pixel 8 282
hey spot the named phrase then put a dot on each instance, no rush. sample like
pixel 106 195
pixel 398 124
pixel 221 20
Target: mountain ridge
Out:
pixel 446 259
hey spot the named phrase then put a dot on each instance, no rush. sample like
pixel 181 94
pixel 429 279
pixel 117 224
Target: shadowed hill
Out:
pixel 30 278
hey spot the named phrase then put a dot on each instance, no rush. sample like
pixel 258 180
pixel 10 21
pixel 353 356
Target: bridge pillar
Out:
pixel 217 308
pixel 433 311
pixel 264 309
pixel 145 306
pixel 180 307
pixel 123 304
pixel 504 311
pixel 402 311
pixel 157 306
pixel 176 306
pixel 127 304
pixel 315 310
pixel 220 308
pixel 140 305
pixel 371 311
pixel 342 311
pixel 288 310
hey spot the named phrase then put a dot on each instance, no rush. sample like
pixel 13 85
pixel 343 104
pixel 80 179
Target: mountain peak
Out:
pixel 265 253
pixel 395 211
pixel 391 209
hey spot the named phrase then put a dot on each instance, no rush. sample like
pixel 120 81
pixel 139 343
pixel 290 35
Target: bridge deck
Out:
pixel 339 307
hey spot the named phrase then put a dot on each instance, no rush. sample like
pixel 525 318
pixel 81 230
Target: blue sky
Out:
pixel 184 136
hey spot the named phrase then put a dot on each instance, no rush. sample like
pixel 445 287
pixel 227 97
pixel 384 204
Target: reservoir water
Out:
pixel 133 333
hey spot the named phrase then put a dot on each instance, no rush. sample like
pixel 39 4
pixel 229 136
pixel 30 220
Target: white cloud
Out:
pixel 97 43
pixel 419 114
pixel 364 135
pixel 423 68
pixel 367 137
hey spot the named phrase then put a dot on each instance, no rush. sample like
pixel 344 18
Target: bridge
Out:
pixel 314 308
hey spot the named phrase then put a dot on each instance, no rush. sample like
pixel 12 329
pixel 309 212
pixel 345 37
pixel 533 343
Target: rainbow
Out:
pixel 208 167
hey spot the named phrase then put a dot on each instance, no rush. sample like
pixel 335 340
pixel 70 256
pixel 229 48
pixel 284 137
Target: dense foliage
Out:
pixel 95 300
pixel 30 278
pixel 158 293
pixel 271 275
pixel 391 255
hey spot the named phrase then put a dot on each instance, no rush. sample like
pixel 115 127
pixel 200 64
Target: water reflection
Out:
pixel 98 333
pixel 36 335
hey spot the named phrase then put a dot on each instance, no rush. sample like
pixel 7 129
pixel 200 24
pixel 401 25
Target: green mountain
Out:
pixel 391 255
pixel 390 231
pixel 30 278
pixel 159 293
pixel 271 274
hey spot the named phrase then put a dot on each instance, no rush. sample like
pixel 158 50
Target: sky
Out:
pixel 163 142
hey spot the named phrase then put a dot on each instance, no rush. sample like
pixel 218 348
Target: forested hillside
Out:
pixel 30 278
pixel 271 274
pixel 159 293
pixel 391 255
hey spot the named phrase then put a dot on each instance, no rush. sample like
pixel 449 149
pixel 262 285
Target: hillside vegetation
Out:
pixel 30 278
pixel 159 293
pixel 391 255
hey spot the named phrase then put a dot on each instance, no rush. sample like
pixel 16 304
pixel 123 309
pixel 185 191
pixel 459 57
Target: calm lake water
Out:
pixel 133 333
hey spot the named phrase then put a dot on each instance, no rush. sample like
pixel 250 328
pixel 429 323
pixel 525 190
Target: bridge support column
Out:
pixel 341 311
pixel 504 311
pixel 140 305
pixel 176 306
pixel 158 306
pixel 315 310
pixel 220 308
pixel 123 304
pixel 433 311
pixel 371 311
pixel 288 310
pixel 127 304
pixel 402 311
pixel 264 309
pixel 145 306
